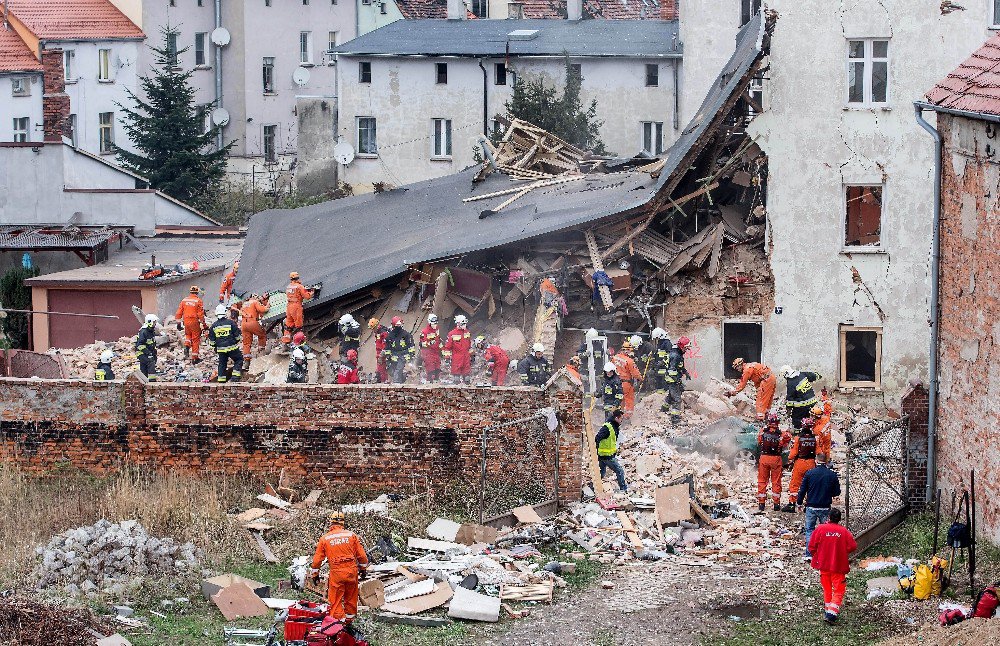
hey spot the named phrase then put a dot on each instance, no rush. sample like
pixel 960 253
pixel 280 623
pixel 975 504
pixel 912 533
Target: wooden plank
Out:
pixel 628 238
pixel 700 512
pixel 595 258
pixel 273 500
pixel 513 198
pixel 539 184
pixel 265 549
pixel 713 264
pixel 672 504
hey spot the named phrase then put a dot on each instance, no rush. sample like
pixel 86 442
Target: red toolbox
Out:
pixel 302 616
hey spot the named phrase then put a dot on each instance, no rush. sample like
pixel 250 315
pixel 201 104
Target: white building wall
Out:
pixel 708 34
pixel 12 107
pixel 816 144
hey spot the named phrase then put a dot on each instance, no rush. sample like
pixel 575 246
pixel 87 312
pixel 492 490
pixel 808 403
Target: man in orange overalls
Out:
pixel 821 423
pixel 343 552
pixel 803 457
pixel 772 441
pixel 296 293
pixel 253 309
pixel 763 379
pixel 191 312
pixel 630 376
pixel 226 291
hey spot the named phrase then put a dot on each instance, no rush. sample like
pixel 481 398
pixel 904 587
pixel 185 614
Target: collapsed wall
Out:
pixel 374 436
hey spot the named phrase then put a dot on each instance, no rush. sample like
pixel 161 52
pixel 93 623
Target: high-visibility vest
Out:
pixel 609 445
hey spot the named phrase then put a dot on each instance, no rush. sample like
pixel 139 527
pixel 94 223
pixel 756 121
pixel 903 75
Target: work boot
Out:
pixel 196 360
pixel 187 352
pixel 246 364
pixel 789 508
pixel 777 506
pixel 760 507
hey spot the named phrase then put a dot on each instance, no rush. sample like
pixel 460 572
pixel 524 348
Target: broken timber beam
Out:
pixel 539 184
pixel 595 257
pixel 628 238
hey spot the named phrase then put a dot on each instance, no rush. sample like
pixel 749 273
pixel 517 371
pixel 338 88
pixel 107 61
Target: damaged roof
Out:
pixel 353 242
pixel 541 37
pixel 975 85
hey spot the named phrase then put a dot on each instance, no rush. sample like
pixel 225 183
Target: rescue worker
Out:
pixel 347 373
pixel 103 371
pixel 800 396
pixel 821 423
pixel 145 346
pixel 190 317
pixel 803 458
pixel 534 368
pixel 573 367
pixel 380 332
pixel 661 357
pixel 343 552
pixel 831 545
pixel 350 334
pixel 299 343
pixel 398 351
pixel 631 378
pixel 772 441
pixel 253 309
pixel 675 386
pixel 431 348
pixel 298 368
pixel 607 448
pixel 591 348
pixel 497 361
pixel 642 354
pixel 222 336
pixel 226 291
pixel 459 347
pixel 296 293
pixel 613 391
pixel 763 380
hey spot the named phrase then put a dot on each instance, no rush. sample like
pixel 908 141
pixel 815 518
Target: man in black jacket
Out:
pixel 819 487
pixel 534 368
pixel 103 372
pixel 676 372
pixel 606 444
pixel 223 335
pixel 145 346
pixel 614 392
pixel 399 349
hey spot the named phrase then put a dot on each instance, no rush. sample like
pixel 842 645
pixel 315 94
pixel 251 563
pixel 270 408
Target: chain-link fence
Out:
pixel 875 473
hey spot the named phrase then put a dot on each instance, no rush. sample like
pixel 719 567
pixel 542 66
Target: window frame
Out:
pixel 484 5
pixel 203 50
pixel 365 68
pixel 842 381
pixel 305 48
pixel 655 67
pixel 442 139
pixel 357 134
pixel 69 62
pixel 332 44
pixel 104 74
pixel 24 82
pixel 74 138
pixel 440 71
pixel 995 18
pixel 749 9
pixel 655 128
pixel 110 129
pixel 868 62
pixel 267 75
pixel 862 248
pixel 269 131
pixel 21 135
pixel 499 73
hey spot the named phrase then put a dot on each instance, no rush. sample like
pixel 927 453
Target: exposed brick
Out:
pixel 55 101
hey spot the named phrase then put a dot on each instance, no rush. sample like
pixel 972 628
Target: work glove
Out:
pixel 221 298
pixel 180 326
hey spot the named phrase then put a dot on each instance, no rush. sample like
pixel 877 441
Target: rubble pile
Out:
pixel 26 622
pixel 109 558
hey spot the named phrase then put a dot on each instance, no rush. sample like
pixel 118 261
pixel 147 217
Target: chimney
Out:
pixel 515 10
pixel 668 10
pixel 574 9
pixel 456 10
pixel 55 101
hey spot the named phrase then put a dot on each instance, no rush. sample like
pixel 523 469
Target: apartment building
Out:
pixel 20 90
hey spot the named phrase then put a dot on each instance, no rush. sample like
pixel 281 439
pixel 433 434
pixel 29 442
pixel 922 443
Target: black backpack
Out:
pixel 959 534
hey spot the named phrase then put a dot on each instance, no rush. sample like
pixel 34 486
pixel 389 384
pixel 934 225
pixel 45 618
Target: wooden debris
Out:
pixel 672 504
pixel 312 498
pixel 527 151
pixel 273 500
pixel 526 514
pixel 530 592
pixel 250 515
pixel 265 549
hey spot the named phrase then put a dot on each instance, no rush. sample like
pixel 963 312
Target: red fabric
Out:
pixel 347 373
pixel 430 349
pixel 769 468
pixel 380 370
pixel 459 344
pixel 834 587
pixel 496 355
pixel 831 546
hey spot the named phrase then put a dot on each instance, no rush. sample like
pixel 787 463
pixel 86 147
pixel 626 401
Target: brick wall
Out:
pixel 382 437
pixel 668 10
pixel 914 404
pixel 55 101
pixel 969 349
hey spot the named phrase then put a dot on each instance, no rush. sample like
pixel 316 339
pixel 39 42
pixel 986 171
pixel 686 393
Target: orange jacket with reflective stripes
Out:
pixel 342 550
pixel 755 373
pixel 190 310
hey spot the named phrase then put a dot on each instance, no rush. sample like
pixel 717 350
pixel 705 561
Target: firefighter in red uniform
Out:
pixel 380 332
pixel 343 552
pixel 347 373
pixel 430 349
pixel 772 441
pixel 458 347
pixel 497 360
pixel 191 312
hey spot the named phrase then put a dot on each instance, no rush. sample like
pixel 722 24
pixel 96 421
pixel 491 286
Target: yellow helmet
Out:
pixel 336 517
pixel 294 275
pixel 372 323
pixel 737 362
pixel 627 345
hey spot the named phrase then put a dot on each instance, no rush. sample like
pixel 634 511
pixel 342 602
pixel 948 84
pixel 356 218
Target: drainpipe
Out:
pixel 218 69
pixel 486 108
pixel 932 394
pixel 677 96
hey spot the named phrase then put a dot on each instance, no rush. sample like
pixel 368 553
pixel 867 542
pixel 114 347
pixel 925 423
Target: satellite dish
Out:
pixel 220 116
pixel 220 36
pixel 343 153
pixel 300 76
pixel 125 59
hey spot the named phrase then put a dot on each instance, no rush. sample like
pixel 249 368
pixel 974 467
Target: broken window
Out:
pixel 860 356
pixel 270 149
pixel 652 75
pixel 442 138
pixel 367 141
pixel 750 9
pixel 441 73
pixel 652 137
pixel 364 72
pixel 863 220
pixel 740 339
pixel 867 71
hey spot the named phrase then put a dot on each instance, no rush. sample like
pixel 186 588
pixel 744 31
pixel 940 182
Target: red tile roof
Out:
pixel 14 54
pixel 74 19
pixel 416 9
pixel 975 85
pixel 610 9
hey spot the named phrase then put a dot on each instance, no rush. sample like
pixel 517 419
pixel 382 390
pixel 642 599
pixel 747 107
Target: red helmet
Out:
pixel 352 355
pixel 299 338
pixel 772 418
pixel 808 422
pixel 683 342
pixel 396 321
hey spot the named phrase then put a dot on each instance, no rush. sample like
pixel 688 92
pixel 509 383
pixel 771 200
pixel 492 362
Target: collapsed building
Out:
pixel 680 240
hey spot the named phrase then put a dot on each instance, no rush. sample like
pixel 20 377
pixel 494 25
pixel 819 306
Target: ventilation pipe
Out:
pixel 574 9
pixel 218 69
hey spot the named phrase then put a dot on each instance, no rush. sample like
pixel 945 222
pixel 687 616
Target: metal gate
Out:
pixel 876 478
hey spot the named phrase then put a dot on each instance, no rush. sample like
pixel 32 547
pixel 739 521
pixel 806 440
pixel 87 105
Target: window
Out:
pixel 652 75
pixel 305 47
pixel 331 41
pixel 500 73
pixel 172 48
pixel 305 2
pixel 106 132
pixel 20 86
pixel 104 65
pixel 442 138
pixel 996 13
pixel 69 58
pixel 863 220
pixel 441 73
pixel 867 71
pixel 199 48
pixel 495 127
pixel 652 137
pixel 481 8
pixel 72 130
pixel 270 138
pixel 205 111
pixel 740 339
pixel 22 126
pixel 576 70
pixel 367 136
pixel 267 3
pixel 268 75
pixel 860 356
pixel 201 3
pixel 364 72
pixel 382 8
pixel 750 9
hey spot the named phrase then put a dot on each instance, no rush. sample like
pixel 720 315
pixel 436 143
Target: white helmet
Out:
pixel 220 310
pixel 591 333
pixel 785 371
pixel 106 356
pixel 461 320
pixel 636 340
pixel 433 318
pixel 152 318
pixel 659 333
pixel 347 318
pixel 538 347
pixel 297 353
pixel 610 367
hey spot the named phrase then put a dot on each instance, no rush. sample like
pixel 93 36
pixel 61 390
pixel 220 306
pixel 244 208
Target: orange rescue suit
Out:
pixel 227 286
pixel 296 293
pixel 764 380
pixel 343 552
pixel 771 442
pixel 630 376
pixel 821 428
pixel 803 458
pixel 252 310
pixel 192 312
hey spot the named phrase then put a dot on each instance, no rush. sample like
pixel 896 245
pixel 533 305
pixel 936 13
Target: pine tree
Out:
pixel 167 129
